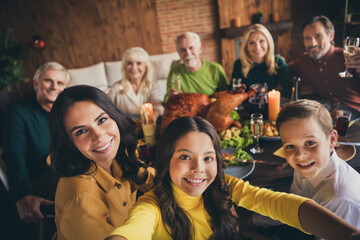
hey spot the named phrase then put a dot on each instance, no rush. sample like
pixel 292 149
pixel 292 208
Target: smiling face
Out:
pixel 307 149
pixel 193 165
pixel 50 84
pixel 317 42
pixel 257 47
pixel 189 50
pixel 93 132
pixel 135 69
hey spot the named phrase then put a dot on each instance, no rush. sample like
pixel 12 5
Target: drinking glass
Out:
pixel 236 84
pixel 176 82
pixel 350 46
pixel 256 125
pixel 342 122
pixel 144 152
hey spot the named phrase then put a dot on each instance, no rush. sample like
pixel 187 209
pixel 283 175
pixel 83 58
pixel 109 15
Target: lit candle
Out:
pixel 148 124
pixel 274 104
pixel 148 110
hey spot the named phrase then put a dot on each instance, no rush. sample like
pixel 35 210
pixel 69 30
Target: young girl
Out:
pixel 93 149
pixel 193 197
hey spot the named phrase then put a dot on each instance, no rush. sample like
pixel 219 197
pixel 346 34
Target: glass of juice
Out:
pixel 342 122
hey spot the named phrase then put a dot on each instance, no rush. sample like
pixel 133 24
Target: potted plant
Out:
pixel 11 55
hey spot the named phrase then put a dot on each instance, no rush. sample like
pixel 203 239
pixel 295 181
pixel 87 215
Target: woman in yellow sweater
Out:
pixel 193 197
pixel 93 146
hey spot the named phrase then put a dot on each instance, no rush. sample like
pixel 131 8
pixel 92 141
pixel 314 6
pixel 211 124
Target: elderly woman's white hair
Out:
pixel 51 66
pixel 138 54
pixel 246 62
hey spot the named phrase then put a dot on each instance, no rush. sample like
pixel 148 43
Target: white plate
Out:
pixel 241 171
pixel 270 139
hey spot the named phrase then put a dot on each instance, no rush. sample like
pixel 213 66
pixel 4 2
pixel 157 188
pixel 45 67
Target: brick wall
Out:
pixel 199 16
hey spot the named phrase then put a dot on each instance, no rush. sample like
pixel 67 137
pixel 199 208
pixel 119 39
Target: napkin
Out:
pixel 280 152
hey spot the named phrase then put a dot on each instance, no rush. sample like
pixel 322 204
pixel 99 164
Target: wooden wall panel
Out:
pixel 228 54
pixel 79 33
pixel 231 9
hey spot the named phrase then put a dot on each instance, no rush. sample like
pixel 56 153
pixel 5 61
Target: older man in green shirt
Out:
pixel 196 75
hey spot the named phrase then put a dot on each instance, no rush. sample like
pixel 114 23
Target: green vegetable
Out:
pixel 242 141
pixel 234 115
pixel 240 154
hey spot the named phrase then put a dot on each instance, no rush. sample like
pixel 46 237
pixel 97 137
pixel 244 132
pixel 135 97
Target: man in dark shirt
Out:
pixel 320 65
pixel 32 183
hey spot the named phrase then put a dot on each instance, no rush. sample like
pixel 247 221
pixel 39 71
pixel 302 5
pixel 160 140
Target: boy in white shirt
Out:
pixel 309 140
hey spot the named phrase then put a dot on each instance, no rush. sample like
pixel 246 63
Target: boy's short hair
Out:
pixel 305 109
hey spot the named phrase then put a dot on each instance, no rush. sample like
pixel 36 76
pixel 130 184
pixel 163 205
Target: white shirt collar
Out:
pixel 327 170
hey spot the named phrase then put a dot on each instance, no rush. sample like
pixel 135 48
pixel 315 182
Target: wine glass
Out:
pixel 256 125
pixel 236 84
pixel 176 82
pixel 350 46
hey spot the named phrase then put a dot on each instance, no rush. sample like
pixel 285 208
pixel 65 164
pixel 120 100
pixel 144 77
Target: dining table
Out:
pixel 270 176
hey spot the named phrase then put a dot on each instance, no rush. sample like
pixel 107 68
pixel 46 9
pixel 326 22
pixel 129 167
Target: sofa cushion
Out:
pixel 93 75
pixel 162 64
pixel 113 72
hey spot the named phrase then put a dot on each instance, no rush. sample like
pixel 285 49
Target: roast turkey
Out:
pixel 214 108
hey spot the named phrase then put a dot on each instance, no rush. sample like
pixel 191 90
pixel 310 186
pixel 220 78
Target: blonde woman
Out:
pixel 138 85
pixel 258 63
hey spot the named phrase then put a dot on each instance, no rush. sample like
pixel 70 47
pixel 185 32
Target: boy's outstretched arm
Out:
pixel 324 223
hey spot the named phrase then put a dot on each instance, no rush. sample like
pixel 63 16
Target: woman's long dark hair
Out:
pixel 217 200
pixel 66 159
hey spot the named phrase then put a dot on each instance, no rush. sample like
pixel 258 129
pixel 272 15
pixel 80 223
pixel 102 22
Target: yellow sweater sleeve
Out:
pixel 277 205
pixel 142 220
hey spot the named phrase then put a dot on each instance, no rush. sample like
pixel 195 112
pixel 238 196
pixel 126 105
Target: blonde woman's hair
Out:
pixel 188 35
pixel 138 54
pixel 246 62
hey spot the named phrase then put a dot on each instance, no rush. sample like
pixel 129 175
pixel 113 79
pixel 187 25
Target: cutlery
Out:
pixel 349 143
pixel 256 161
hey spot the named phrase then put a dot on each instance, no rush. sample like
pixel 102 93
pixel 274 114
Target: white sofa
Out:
pixel 104 74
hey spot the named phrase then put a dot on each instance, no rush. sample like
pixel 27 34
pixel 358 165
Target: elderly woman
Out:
pixel 138 85
pixel 258 64
pixel 93 150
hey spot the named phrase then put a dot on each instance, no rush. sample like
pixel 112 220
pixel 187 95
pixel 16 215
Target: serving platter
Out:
pixel 241 171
